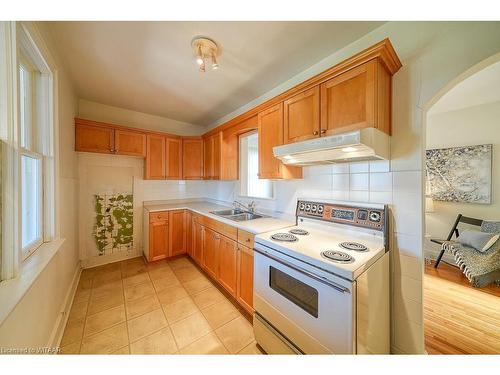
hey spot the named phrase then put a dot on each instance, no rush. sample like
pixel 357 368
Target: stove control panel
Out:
pixel 358 216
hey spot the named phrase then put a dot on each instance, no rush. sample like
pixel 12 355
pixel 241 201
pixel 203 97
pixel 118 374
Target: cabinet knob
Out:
pixel 323 131
pixel 158 217
pixel 247 240
pixel 315 132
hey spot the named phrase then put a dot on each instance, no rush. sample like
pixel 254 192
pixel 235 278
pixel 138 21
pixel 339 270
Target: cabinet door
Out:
pixel 301 116
pixel 174 158
pixel 177 234
pixel 216 155
pixel 208 160
pixel 130 143
pixel 189 233
pixel 228 264
pixel 245 278
pixel 155 157
pixel 348 100
pixel 198 241
pixel 210 252
pixel 158 240
pixel 192 161
pixel 91 138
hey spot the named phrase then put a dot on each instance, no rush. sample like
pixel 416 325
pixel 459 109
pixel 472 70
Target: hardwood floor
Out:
pixel 458 318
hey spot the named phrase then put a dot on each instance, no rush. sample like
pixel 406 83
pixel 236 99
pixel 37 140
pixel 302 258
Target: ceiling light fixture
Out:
pixel 205 49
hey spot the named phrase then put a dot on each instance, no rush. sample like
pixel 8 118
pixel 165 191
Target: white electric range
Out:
pixel 322 286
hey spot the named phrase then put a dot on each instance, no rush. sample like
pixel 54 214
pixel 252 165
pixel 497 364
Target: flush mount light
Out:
pixel 348 149
pixel 206 51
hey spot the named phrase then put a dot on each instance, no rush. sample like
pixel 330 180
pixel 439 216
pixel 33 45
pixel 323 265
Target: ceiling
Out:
pixel 149 66
pixel 480 88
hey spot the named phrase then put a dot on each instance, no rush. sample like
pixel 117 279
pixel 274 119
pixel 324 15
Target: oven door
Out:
pixel 315 315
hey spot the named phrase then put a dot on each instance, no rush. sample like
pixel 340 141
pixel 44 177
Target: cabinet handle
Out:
pixel 247 240
pixel 315 132
pixel 323 131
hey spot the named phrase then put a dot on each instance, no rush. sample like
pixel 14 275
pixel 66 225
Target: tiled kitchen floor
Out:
pixel 164 308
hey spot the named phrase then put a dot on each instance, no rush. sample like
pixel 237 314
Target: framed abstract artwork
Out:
pixel 460 174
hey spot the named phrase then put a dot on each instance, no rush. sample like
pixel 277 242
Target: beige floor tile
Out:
pixel 104 301
pixel 180 263
pixel 139 291
pixel 106 341
pixel 106 277
pixel 172 295
pixel 136 279
pixel 161 264
pixel 160 273
pixel 146 324
pixel 180 310
pixel 161 342
pixel 100 290
pixel 73 332
pixel 190 329
pixel 197 285
pixel 252 348
pixel 71 348
pixel 124 350
pixel 187 274
pixel 78 311
pixel 236 334
pixel 104 319
pixel 208 297
pixel 209 344
pixel 129 271
pixel 82 295
pixel 220 313
pixel 142 305
pixel 165 282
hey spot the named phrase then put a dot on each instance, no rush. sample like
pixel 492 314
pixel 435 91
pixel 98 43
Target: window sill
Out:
pixel 13 290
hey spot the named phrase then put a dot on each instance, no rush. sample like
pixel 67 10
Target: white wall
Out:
pixel 115 115
pixel 433 55
pixel 464 127
pixel 36 318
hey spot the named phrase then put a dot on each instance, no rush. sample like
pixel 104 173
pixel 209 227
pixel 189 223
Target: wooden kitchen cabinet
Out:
pixel 358 98
pixel 192 161
pixel 301 116
pixel 189 233
pixel 212 157
pixel 270 128
pixel 211 243
pixel 228 264
pixel 130 143
pixel 173 163
pixel 244 291
pixel 158 236
pixel 177 232
pixel 155 157
pixel 198 241
pixel 94 138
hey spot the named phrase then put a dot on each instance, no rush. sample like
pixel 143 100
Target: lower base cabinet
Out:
pixel 244 293
pixel 197 241
pixel 211 245
pixel 228 265
pixel 158 237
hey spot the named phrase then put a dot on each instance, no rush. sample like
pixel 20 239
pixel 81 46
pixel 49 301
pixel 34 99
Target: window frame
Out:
pixel 241 184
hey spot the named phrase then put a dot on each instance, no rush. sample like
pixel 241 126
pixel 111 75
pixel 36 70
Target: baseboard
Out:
pixel 62 319
pixel 112 258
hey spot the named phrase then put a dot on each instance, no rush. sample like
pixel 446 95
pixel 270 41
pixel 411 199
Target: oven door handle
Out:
pixel 331 284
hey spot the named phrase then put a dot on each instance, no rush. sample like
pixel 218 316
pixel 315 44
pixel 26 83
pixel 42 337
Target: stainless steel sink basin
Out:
pixel 237 215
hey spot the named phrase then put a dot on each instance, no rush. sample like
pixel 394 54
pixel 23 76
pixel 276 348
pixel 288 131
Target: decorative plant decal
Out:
pixel 114 222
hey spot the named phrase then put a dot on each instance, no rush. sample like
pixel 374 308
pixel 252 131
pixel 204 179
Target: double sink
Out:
pixel 237 215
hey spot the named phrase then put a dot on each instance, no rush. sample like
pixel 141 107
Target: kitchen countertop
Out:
pixel 255 226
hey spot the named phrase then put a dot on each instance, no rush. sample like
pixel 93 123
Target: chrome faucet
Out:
pixel 250 207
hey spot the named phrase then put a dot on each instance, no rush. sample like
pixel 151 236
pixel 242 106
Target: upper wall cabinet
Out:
pixel 212 156
pixel 301 116
pixel 359 98
pixel 173 163
pixel 130 143
pixel 270 127
pixel 155 158
pixel 94 138
pixel 192 162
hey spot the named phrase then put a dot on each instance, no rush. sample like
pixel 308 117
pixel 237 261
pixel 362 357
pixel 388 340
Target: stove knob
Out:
pixel 374 216
pixel 320 209
pixel 314 207
pixel 308 207
pixel 302 206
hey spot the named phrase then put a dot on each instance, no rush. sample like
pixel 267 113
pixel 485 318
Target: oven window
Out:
pixel 303 295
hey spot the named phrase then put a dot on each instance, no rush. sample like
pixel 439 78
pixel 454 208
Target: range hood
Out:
pixel 364 144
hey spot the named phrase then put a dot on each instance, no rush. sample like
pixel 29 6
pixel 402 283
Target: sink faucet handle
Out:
pixel 251 206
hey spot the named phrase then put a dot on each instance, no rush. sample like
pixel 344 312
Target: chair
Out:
pixel 454 230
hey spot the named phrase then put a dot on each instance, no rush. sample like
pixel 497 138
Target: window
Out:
pixel 251 185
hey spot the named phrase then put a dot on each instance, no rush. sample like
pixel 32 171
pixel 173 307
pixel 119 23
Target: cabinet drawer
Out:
pixel 245 238
pixel 158 216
